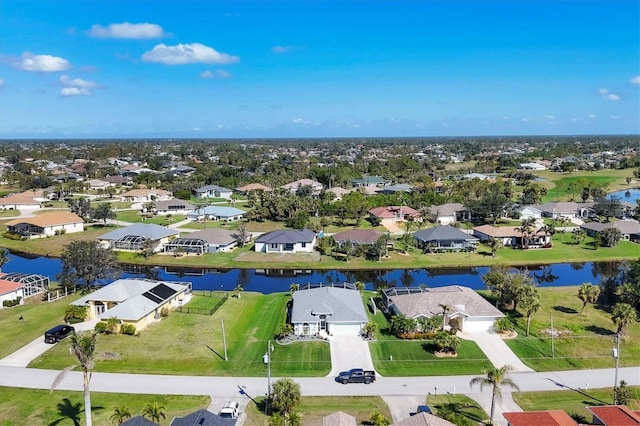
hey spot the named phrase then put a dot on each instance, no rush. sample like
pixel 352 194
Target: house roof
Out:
pixel 214 236
pixel 497 231
pixel 254 187
pixel 338 190
pixel 18 199
pixel 358 236
pixel 423 419
pixel 301 182
pixel 339 304
pixel 138 421
pixel 208 188
pixel 218 211
pixel 7 287
pixel 447 209
pixel 339 419
pixel 287 236
pixel 48 219
pixel 628 226
pixel 615 415
pixel 150 231
pixel 415 302
pixel 118 291
pixel 539 418
pixel 443 233
pixel 393 211
pixel 202 418
pixel 400 187
pixel 164 204
pixel 369 180
pixel 144 192
pixel 563 207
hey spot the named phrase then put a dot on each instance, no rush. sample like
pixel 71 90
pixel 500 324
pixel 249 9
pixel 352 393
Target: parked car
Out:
pixel 422 409
pixel 357 375
pixel 230 410
pixel 58 333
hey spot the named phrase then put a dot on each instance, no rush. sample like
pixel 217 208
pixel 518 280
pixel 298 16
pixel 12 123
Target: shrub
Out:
pixel 100 327
pixel 502 325
pixel 12 236
pixel 11 303
pixel 128 329
pixel 164 311
pixel 75 314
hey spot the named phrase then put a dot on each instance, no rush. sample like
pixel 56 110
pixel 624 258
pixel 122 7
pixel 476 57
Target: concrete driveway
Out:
pixel 349 352
pixel 496 349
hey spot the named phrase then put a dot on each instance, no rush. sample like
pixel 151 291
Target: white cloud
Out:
pixel 606 94
pixel 144 31
pixel 41 63
pixel 281 49
pixel 215 74
pixel 591 116
pixel 76 86
pixel 187 54
pixel 300 121
pixel 635 80
pixel 549 116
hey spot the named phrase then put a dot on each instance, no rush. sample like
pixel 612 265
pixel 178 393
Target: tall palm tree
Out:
pixel 285 394
pixel 83 348
pixel 495 244
pixel 588 293
pixel 526 229
pixel 120 414
pixel 622 315
pixel 445 308
pixel 496 378
pixel 154 411
pixel 529 299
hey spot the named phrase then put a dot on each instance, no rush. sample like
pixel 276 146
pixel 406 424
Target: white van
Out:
pixel 230 410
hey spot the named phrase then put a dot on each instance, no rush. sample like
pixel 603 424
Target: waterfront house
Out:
pixel 629 228
pixel 210 240
pixel 468 311
pixel 286 241
pixel 135 301
pixel 46 225
pixel 213 191
pixel 134 237
pixel 325 309
pixel 394 214
pixel 445 238
pixel 357 237
pixel 227 214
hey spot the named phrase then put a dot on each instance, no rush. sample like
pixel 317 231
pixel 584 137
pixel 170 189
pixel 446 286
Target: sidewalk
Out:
pixel 496 350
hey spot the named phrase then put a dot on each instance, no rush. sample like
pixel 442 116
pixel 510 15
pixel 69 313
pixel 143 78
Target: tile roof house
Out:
pixel 539 418
pixel 394 214
pixel 135 301
pixel 325 309
pixel 133 237
pixel 338 192
pixel 339 419
pixel 445 238
pixel 423 419
pixel 357 237
pixel 567 209
pixel 510 236
pixel 228 214
pixel 286 241
pixel 469 311
pixel 46 224
pixel 295 185
pixel 144 195
pixel 18 202
pixel 10 290
pixel 254 187
pixel 213 191
pixel 614 415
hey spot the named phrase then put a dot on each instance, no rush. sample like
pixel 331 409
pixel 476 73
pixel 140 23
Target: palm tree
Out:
pixel 82 347
pixel 588 293
pixel 496 378
pixel 622 315
pixel 294 287
pixel 445 308
pixel 237 290
pixel 495 244
pixel 579 235
pixel 285 395
pixel 529 299
pixel 526 229
pixel 359 285
pixel 120 414
pixel 4 256
pixel 154 411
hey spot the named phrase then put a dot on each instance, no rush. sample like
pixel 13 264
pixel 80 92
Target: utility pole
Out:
pixel 553 349
pixel 615 352
pixel 267 358
pixel 224 340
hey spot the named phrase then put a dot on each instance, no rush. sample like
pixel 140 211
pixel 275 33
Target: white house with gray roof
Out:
pixel 332 310
pixel 286 241
pixel 468 311
pixel 213 191
pixel 228 214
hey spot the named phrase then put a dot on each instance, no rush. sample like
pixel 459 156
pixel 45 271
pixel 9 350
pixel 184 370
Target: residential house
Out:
pixel 135 301
pixel 286 241
pixel 325 309
pixel 394 214
pixel 21 284
pixel 630 229
pixel 529 212
pixel 210 240
pixel 10 290
pixel 368 181
pixel 539 418
pixel 338 192
pixel 227 214
pixel 134 237
pixel 46 225
pixel 202 418
pixel 99 184
pixel 472 176
pixel 446 214
pixel 145 195
pixel 339 419
pixel 213 191
pixel 566 209
pixel 506 234
pixel 118 180
pixel 172 206
pixel 531 166
pixel 614 415
pixel 423 419
pixel 19 202
pixel 394 189
pixel 138 421
pixel 468 310
pixel 295 185
pixel 254 187
pixel 445 238
pixel 357 237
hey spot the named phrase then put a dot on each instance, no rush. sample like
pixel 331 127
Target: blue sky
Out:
pixel 307 68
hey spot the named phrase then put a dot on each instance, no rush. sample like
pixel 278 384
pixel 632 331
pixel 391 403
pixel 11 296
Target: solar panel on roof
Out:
pixel 163 291
pixel 152 297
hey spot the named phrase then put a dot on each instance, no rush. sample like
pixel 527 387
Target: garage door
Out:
pixel 344 329
pixel 477 325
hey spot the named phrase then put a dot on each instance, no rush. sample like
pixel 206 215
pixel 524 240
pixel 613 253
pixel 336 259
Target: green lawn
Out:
pixel 135 216
pixel 196 340
pixel 573 402
pixel 38 317
pixel 313 408
pixel 40 407
pixel 53 246
pixel 586 339
pixel 558 183
pixel 458 409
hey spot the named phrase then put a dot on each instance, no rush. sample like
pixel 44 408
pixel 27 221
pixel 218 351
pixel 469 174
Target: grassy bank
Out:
pixel 197 341
pixel 40 407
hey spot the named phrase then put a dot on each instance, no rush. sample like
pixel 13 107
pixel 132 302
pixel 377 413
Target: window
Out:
pixel 288 247
pixel 274 246
pixel 303 245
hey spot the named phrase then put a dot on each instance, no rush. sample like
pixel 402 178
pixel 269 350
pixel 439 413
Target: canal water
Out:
pixel 628 195
pixel 278 280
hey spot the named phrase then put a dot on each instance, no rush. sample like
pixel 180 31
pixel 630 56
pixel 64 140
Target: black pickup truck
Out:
pixel 357 375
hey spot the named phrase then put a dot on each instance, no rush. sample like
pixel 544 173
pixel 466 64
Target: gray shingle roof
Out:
pixel 441 233
pixel 287 236
pixel 202 418
pixel 150 231
pixel 358 236
pixel 214 236
pixel 339 304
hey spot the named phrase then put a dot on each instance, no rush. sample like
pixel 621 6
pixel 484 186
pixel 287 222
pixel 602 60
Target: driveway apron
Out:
pixel 349 352
pixel 496 350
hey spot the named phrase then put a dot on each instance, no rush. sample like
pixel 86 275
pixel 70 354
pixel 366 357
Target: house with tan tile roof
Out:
pixel 468 310
pixel 394 214
pixel 19 202
pixel 144 195
pixel 10 290
pixel 46 224
pixel 254 187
